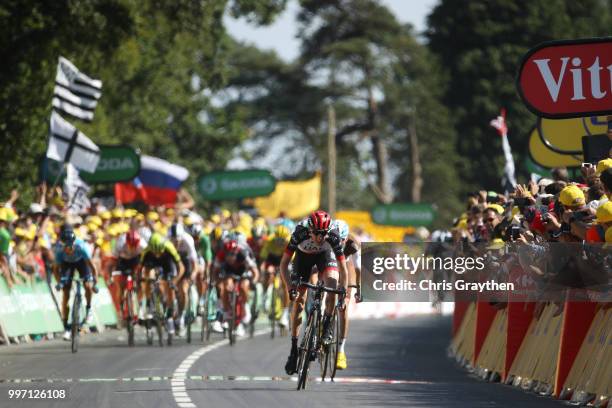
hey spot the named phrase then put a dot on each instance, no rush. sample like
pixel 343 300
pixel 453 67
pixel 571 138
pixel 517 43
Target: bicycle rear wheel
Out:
pixel 232 320
pixel 189 315
pixel 130 317
pixel 158 315
pixel 334 347
pixel 307 349
pixel 254 311
pixel 272 309
pixel 76 322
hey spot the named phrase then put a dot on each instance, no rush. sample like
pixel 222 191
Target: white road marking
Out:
pixel 180 373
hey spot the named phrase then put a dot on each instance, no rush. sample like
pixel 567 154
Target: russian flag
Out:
pixel 157 183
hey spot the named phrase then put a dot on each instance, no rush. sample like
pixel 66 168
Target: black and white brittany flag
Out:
pixel 75 93
pixel 68 145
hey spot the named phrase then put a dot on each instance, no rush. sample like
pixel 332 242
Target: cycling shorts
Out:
pixel 273 260
pixel 165 263
pixel 303 263
pixel 67 272
pixel 127 266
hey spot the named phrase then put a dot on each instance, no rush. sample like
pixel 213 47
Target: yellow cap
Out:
pixel 20 232
pixel 117 213
pixel 188 221
pixel 3 214
pixel 226 213
pixel 496 207
pixel 603 165
pixel 572 196
pixel 130 212
pixel 215 218
pixel 105 215
pixel 152 216
pixel 170 212
pixel 95 219
pixel 609 235
pixel 92 226
pixel 604 212
pixel 497 243
pixel 140 217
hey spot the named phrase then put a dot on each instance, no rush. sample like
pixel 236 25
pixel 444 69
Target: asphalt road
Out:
pixel 391 363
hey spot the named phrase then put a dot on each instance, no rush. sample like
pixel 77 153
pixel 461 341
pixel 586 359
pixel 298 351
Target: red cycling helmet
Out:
pixel 132 239
pixel 230 246
pixel 319 221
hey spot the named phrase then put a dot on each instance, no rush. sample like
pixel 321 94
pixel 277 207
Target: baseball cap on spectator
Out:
pixel 152 216
pixel 609 235
pixel 105 215
pixel 3 214
pixel 36 208
pixel 496 207
pixel 572 196
pixel 603 165
pixel 604 213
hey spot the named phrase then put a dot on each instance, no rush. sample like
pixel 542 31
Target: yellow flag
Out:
pixel 379 233
pixel 296 198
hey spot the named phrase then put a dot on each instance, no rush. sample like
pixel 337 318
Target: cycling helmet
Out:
pixel 157 243
pixel 283 233
pixel 67 236
pixel 258 230
pixel 319 221
pixel 343 229
pixel 175 231
pixel 195 230
pixel 230 246
pixel 132 239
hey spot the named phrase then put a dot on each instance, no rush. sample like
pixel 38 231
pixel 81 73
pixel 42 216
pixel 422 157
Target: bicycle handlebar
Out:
pixel 322 288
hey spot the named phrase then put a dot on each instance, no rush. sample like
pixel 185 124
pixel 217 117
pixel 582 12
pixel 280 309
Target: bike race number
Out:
pixel 565 79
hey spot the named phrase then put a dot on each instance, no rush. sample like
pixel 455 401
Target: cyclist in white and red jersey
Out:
pixel 235 259
pixel 315 243
pixel 126 256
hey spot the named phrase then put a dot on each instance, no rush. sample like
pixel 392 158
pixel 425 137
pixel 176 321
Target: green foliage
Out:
pixel 158 61
pixel 480 44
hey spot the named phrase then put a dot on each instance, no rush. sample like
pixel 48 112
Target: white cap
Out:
pixel 36 208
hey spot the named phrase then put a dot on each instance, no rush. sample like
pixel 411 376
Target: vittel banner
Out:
pixel 564 79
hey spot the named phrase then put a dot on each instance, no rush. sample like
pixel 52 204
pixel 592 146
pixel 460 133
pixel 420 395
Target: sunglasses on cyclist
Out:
pixel 319 232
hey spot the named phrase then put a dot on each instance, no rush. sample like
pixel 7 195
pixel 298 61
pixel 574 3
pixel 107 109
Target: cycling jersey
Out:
pixel 122 250
pixel 168 249
pixel 301 241
pixel 244 260
pixel 205 247
pixel 273 246
pixel 81 251
pixel 186 247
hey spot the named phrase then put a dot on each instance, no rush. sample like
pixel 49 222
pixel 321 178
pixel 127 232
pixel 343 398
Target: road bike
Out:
pixel 311 347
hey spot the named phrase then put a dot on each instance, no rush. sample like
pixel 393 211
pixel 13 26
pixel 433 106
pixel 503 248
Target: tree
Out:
pixel 480 44
pixel 158 61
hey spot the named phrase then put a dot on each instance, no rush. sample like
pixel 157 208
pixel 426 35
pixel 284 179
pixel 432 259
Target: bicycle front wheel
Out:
pixel 76 323
pixel 232 321
pixel 307 349
pixel 130 317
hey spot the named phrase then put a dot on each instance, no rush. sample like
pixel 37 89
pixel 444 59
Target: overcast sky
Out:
pixel 280 36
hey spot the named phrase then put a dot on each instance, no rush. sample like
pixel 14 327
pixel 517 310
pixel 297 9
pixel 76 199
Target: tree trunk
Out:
pixel 415 162
pixel 382 157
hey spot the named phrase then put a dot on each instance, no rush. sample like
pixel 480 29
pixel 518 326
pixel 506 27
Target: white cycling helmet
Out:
pixel 343 228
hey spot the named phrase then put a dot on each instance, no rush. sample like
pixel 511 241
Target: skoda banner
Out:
pixel 236 184
pixel 403 215
pixel 117 163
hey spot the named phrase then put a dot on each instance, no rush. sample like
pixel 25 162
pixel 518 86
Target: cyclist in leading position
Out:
pixel 73 254
pixel 315 243
pixel 160 253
